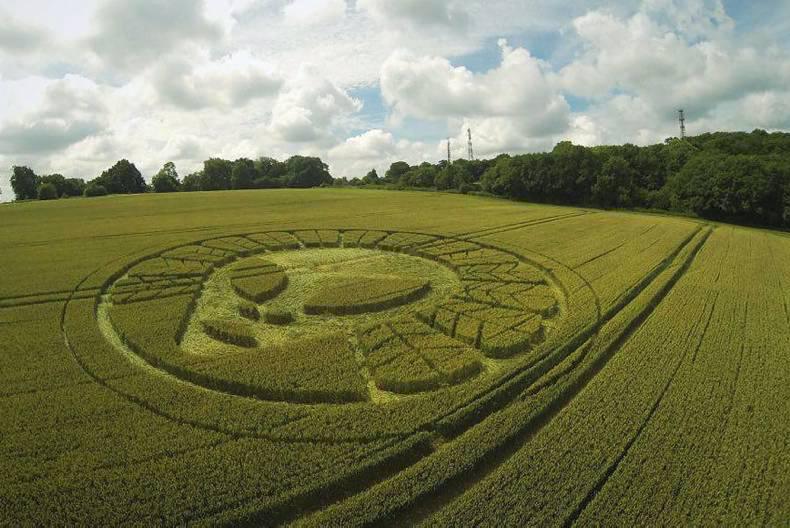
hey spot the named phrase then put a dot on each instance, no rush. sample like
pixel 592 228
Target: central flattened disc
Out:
pixel 325 291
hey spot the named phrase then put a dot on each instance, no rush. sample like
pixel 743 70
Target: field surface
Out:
pixel 373 358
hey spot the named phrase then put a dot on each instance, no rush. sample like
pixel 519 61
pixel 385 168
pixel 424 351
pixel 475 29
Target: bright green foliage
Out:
pixel 347 295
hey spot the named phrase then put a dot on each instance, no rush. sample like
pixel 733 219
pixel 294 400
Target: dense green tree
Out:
pixel 650 167
pixel 468 171
pixel 244 174
pixel 57 180
pixel 94 189
pixel 166 180
pixel 678 153
pixel 740 176
pixel 445 178
pixel 216 174
pixel 423 175
pixel 396 171
pixel 614 185
pixel 269 172
pixel 122 178
pixel 786 203
pixel 268 183
pixel 47 191
pixel 738 187
pixel 371 178
pixel 304 171
pixel 501 178
pixel 24 182
pixel 73 187
pixel 573 172
pixel 192 182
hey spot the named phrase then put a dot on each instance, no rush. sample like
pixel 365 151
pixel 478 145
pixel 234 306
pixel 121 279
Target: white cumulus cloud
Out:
pixel 308 107
pixel 418 13
pixel 232 80
pixel 314 12
pixel 510 105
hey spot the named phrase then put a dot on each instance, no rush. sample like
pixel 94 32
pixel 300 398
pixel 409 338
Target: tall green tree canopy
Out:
pixel 47 191
pixel 73 187
pixel 192 182
pixel 122 178
pixel 371 177
pixel 269 168
pixel 396 170
pixel 243 174
pixel 216 174
pixel 24 182
pixel 166 180
pixel 57 181
pixel 303 171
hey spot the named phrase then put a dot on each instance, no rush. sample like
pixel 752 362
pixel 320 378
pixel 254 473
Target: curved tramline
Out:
pixel 540 366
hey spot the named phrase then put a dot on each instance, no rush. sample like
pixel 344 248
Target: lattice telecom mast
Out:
pixel 471 151
pixel 449 160
pixel 682 124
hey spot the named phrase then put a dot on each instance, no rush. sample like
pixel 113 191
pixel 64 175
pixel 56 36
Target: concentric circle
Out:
pixel 288 334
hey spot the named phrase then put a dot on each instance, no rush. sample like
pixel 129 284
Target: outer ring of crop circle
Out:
pixel 216 423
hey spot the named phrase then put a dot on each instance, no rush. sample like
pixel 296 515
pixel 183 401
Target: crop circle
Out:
pixel 292 328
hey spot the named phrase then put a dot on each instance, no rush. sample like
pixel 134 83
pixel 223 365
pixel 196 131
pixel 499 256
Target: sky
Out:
pixel 363 83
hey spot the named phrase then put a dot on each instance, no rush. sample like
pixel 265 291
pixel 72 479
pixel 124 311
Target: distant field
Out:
pixel 374 358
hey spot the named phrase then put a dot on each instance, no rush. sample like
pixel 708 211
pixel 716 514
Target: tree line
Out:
pixel 217 174
pixel 730 176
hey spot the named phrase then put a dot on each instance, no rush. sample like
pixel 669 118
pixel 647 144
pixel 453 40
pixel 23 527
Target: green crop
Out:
pixel 230 331
pixel 278 317
pixel 352 294
pixel 447 360
pixel 250 311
